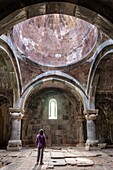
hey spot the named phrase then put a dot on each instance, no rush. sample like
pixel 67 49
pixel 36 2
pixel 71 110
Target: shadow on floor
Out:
pixel 37 167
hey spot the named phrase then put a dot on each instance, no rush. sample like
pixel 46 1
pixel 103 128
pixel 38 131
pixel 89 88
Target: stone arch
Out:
pixel 36 115
pixel 97 91
pixel 13 80
pixel 104 97
pixel 54 76
pixel 104 50
pixel 84 10
pixel 47 81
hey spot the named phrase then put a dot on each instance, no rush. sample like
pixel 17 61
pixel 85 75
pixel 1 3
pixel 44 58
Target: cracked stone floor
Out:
pixel 64 158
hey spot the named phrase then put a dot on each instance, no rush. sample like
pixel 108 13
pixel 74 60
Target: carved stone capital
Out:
pixel 91 114
pixel 16 113
pixel 18 116
pixel 91 117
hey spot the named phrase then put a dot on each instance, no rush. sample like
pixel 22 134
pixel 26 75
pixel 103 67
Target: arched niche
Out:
pixel 63 130
pixel 104 99
pixel 100 90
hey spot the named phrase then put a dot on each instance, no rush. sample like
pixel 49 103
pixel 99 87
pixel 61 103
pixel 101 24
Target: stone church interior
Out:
pixel 56 72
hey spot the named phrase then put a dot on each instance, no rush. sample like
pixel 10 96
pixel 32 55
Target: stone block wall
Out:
pixel 60 131
pixel 104 101
pixel 5 126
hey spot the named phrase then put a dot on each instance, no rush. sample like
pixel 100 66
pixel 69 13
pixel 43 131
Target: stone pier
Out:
pixel 91 116
pixel 15 143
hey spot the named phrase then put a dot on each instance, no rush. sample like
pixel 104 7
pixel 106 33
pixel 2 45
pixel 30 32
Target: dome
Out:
pixel 55 39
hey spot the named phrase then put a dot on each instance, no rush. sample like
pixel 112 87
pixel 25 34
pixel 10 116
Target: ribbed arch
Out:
pixel 86 10
pixel 12 67
pixel 104 50
pixel 54 77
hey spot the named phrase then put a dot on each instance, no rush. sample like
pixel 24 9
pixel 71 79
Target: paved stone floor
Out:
pixel 65 158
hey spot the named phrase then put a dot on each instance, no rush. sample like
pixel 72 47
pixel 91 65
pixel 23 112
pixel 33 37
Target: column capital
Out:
pixel 91 114
pixel 18 116
pixel 16 110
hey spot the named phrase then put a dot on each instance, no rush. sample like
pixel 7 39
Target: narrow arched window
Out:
pixel 52 109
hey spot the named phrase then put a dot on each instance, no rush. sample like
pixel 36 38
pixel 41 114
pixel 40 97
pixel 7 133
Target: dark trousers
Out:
pixel 40 154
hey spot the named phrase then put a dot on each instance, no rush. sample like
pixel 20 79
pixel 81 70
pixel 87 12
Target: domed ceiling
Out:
pixel 55 40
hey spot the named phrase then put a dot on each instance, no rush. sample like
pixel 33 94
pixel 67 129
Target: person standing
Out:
pixel 41 144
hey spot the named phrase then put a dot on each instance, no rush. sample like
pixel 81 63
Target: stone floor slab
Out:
pixel 70 161
pixel 25 153
pixel 33 153
pixel 76 153
pixel 12 166
pixel 57 155
pixel 49 166
pixel 84 162
pixel 57 162
pixel 13 154
pixel 22 160
pixel 92 154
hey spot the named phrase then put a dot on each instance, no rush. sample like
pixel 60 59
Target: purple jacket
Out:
pixel 41 141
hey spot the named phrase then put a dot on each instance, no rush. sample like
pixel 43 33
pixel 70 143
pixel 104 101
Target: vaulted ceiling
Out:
pixel 55 39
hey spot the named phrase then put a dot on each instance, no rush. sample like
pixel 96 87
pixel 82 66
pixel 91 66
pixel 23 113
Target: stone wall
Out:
pixel 61 131
pixel 104 101
pixel 5 125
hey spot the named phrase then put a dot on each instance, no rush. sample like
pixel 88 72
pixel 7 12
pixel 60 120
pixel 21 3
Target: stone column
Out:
pixel 91 116
pixel 80 119
pixel 15 143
